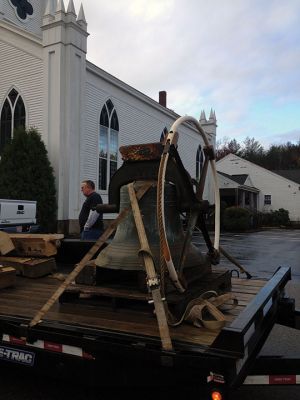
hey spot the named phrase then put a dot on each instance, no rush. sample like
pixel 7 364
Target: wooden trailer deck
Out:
pixel 28 295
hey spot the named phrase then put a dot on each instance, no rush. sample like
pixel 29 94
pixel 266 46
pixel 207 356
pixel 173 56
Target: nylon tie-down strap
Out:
pixel 207 312
pixel 89 255
pixel 152 279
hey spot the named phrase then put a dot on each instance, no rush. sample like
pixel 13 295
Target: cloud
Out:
pixel 224 55
pixel 147 10
pixel 284 137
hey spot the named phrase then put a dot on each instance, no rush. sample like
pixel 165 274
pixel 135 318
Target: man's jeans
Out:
pixel 91 234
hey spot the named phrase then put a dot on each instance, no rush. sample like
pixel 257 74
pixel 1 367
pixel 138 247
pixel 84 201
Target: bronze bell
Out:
pixel 122 253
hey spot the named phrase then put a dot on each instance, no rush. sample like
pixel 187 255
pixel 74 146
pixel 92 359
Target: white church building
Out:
pixel 83 113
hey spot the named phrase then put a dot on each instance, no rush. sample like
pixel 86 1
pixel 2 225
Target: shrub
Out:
pixel 237 219
pixel 276 218
pixel 257 219
pixel 26 174
pixel 281 217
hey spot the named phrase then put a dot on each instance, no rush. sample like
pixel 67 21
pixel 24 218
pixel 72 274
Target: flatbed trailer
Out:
pixel 121 345
pixel 109 335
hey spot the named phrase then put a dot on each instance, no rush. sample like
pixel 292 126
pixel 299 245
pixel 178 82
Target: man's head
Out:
pixel 87 187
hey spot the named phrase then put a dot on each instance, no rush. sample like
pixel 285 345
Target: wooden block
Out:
pixel 6 244
pixel 87 276
pixel 35 245
pixel 7 276
pixel 30 267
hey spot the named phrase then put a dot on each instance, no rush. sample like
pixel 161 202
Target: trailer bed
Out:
pixel 29 295
pixel 126 340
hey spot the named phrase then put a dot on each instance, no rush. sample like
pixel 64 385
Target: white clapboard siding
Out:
pixel 284 193
pixel 24 72
pixel 141 120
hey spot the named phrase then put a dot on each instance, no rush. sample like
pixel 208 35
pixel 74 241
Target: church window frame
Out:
pixel 108 144
pixel 163 135
pixel 199 162
pixel 12 116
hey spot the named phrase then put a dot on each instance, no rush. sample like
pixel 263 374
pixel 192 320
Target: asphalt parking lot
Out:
pixel 260 253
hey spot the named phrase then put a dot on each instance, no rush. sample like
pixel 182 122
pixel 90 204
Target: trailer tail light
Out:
pixel 216 395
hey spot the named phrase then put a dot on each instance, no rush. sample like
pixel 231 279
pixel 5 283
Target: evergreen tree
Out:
pixel 26 174
pixel 283 156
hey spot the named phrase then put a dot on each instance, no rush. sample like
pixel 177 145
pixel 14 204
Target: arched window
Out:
pixel 108 144
pixel 13 115
pixel 163 135
pixel 199 162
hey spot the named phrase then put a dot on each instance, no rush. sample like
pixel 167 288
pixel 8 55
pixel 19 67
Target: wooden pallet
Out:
pixel 7 276
pixel 35 245
pixel 119 295
pixel 6 244
pixel 30 267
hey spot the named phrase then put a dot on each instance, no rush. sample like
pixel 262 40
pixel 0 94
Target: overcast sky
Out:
pixel 239 57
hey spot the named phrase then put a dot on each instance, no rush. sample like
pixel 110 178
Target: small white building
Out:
pixel 83 113
pixel 272 190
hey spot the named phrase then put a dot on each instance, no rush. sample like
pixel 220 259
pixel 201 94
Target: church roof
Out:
pixel 291 174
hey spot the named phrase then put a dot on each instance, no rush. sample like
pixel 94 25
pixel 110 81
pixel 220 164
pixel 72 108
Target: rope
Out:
pixel 161 221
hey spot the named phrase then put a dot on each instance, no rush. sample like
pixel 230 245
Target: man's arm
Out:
pixel 92 218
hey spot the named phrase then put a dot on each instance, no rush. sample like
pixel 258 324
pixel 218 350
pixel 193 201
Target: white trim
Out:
pixel 272 380
pixel 10 26
pixel 48 346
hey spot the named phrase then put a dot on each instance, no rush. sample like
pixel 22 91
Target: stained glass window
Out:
pixel 108 144
pixel 199 162
pixel 13 115
pixel 163 135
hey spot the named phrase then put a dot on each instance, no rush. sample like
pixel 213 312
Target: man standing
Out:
pixel 90 221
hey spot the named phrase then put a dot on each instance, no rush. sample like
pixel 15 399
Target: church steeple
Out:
pixel 49 11
pixel 203 117
pixel 60 6
pixel 64 54
pixel 212 116
pixel 81 17
pixel 210 125
pixel 71 8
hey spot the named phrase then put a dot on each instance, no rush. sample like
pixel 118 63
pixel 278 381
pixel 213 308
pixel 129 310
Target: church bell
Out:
pixel 121 254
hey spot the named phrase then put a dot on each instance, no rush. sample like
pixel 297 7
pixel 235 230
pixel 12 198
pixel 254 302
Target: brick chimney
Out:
pixel 163 98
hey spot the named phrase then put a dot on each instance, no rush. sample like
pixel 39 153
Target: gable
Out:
pixel 225 181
